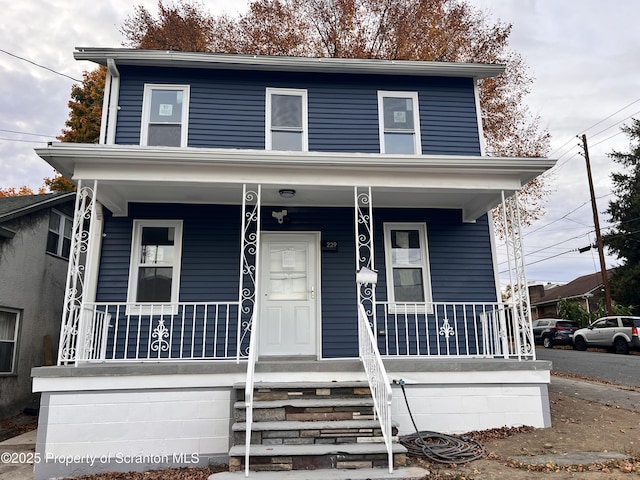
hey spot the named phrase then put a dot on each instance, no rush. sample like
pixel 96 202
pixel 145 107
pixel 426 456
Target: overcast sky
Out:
pixel 583 54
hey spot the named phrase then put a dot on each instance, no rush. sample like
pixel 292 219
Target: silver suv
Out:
pixel 616 333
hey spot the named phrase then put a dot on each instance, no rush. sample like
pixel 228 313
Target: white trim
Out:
pixel 134 264
pixel 64 219
pixel 494 254
pixel 16 339
pixel 483 141
pixel 93 263
pixel 146 110
pixel 425 265
pixel 305 114
pixel 278 63
pixel 417 142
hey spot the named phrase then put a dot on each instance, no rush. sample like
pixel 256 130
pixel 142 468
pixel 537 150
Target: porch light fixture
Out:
pixel 287 193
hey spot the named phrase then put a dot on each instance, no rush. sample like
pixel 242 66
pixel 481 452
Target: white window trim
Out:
pixel 399 307
pixel 14 357
pixel 305 114
pixel 146 110
pixel 143 308
pixel 417 142
pixel 63 220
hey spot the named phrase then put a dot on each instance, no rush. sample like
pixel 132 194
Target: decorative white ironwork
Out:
pixel 71 327
pixel 364 250
pixel 160 333
pixel 446 330
pixel 377 378
pixel 523 336
pixel 249 256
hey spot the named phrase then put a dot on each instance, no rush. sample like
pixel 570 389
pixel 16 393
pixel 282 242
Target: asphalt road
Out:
pixel 621 369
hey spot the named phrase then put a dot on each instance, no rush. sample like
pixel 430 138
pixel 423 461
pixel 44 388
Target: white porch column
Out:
pixel 365 250
pixel 523 334
pixel 249 261
pixel 70 348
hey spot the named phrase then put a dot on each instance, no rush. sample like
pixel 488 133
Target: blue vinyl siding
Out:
pixel 227 108
pixel 460 258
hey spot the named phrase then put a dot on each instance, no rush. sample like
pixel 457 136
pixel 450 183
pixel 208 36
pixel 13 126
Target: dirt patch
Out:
pixel 578 426
pixel 17 425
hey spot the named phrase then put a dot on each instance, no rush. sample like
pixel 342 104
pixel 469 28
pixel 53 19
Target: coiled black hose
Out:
pixel 439 447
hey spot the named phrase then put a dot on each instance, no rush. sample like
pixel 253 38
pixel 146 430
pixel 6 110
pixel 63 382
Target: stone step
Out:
pixel 304 385
pixel 308 403
pixel 403 473
pixel 296 425
pixel 317 456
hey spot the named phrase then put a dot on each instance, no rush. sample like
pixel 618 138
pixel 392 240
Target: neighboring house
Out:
pixel 35 240
pixel 587 290
pixel 227 209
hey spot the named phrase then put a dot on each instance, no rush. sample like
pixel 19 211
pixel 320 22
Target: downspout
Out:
pixel 110 104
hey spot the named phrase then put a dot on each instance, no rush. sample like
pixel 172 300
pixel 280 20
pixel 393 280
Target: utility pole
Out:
pixel 596 223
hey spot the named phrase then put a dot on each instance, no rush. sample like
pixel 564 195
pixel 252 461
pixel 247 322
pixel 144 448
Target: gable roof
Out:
pixel 18 206
pixel 577 288
pixel 164 58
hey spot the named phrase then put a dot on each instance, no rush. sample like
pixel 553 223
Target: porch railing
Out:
pixel 248 395
pixel 378 380
pixel 178 331
pixel 452 330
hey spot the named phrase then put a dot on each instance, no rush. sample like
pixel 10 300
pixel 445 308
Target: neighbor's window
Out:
pixel 165 114
pixel 155 261
pixel 286 119
pixel 59 236
pixel 407 263
pixel 8 340
pixel 399 123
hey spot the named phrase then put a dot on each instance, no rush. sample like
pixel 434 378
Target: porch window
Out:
pixel 165 114
pixel 8 340
pixel 399 123
pixel 407 265
pixel 155 261
pixel 59 236
pixel 286 119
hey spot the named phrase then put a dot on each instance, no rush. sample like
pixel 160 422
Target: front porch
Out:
pixel 182 411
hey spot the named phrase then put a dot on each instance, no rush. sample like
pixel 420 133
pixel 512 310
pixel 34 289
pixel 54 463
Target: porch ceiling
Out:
pixel 201 175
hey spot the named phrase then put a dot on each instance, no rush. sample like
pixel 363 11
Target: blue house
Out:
pixel 256 229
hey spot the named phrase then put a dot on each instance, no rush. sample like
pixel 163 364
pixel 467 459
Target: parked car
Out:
pixel 554 331
pixel 616 333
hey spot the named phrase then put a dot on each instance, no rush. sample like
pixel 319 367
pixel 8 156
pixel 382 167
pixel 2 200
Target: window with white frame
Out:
pixel 9 323
pixel 59 235
pixel 399 123
pixel 154 275
pixel 407 264
pixel 165 115
pixel 286 119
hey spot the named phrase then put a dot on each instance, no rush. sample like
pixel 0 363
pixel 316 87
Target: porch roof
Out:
pixel 133 173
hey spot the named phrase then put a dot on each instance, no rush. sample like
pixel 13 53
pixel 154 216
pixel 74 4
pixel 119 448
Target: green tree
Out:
pixel 624 239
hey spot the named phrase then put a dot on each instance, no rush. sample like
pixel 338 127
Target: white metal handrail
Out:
pixel 116 332
pixel 450 329
pixel 248 394
pixel 377 378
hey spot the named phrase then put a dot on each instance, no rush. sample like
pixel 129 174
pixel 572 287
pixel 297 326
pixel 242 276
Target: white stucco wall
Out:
pixel 31 281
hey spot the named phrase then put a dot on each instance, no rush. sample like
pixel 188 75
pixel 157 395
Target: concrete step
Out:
pixel 308 450
pixel 308 403
pixel 299 385
pixel 404 473
pixel 319 425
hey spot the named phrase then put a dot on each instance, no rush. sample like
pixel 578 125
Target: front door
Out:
pixel 289 292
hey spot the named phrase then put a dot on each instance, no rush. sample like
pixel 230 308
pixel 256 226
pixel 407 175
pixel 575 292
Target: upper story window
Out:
pixel 286 119
pixel 407 265
pixel 399 123
pixel 165 115
pixel 8 339
pixel 156 252
pixel 59 236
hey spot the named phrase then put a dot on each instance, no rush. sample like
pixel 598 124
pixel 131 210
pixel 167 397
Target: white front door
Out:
pixel 289 292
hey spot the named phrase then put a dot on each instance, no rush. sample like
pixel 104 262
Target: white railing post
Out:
pixel 364 255
pixel 249 257
pixel 248 397
pixel 71 336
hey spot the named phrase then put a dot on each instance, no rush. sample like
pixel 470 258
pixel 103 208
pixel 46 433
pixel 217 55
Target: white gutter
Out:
pixel 162 58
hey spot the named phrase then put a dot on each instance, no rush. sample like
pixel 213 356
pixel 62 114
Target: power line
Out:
pixel 40 66
pixel 27 133
pixel 22 141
